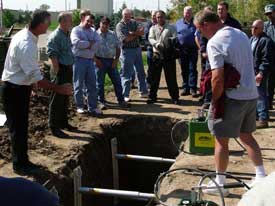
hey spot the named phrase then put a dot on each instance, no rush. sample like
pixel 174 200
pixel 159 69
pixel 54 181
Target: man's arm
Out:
pixel 78 42
pixel 60 89
pixel 52 51
pixel 115 61
pixel 217 83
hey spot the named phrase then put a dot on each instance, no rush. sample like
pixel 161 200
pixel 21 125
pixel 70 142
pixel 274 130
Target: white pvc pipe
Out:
pixel 117 193
pixel 144 158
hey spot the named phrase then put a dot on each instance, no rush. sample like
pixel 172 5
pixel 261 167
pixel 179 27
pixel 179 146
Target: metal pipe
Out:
pixel 115 167
pixel 144 158
pixel 77 184
pixel 117 193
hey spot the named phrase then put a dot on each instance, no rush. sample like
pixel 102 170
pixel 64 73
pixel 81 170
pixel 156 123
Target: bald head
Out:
pixel 257 28
pixel 126 15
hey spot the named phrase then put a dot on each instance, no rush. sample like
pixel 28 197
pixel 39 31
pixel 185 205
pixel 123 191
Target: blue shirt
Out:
pixel 186 33
pixel 60 46
pixel 81 38
pixel 23 192
pixel 108 44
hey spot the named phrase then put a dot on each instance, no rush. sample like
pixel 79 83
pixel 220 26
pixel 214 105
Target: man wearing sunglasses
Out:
pixel 263 50
pixel 269 29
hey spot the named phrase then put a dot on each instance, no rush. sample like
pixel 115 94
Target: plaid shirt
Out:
pixel 122 31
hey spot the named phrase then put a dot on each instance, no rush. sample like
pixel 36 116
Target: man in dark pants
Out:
pixel 160 37
pixel 269 29
pixel 263 52
pixel 21 71
pixel 151 23
pixel 188 52
pixel 60 53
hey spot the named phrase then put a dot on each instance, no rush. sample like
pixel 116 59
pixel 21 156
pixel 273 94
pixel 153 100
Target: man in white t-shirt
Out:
pixel 231 46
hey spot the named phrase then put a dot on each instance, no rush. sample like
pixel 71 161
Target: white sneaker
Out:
pixel 80 110
pixel 143 95
pixel 255 181
pixel 127 99
pixel 212 189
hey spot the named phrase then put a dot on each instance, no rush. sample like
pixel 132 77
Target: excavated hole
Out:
pixel 138 135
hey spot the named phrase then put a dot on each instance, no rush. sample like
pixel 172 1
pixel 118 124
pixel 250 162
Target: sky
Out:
pixel 58 5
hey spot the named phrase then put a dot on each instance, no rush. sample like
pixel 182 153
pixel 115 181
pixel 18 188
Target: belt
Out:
pixel 124 47
pixel 16 85
pixel 104 58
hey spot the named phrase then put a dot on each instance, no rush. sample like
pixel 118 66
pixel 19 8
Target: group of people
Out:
pixel 84 56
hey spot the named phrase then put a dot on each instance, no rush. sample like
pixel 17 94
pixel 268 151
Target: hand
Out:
pixel 91 44
pixel 65 89
pixel 160 46
pixel 98 63
pixel 204 55
pixel 114 64
pixel 259 77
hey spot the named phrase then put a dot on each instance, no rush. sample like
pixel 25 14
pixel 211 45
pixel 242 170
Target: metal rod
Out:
pixel 115 167
pixel 144 158
pixel 117 193
pixel 77 184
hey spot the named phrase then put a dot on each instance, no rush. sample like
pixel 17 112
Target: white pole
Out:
pixel 115 166
pixel 144 158
pixel 77 185
pixel 117 193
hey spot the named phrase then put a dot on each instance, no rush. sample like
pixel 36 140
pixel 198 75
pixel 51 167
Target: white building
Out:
pixel 101 7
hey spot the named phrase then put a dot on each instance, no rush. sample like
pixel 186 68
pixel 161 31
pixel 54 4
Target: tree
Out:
pixel 44 7
pixel 8 18
pixel 76 17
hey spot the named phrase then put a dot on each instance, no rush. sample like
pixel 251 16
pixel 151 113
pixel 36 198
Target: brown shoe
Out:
pixel 261 124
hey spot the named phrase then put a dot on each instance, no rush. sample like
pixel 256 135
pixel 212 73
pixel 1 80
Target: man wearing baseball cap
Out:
pixel 269 29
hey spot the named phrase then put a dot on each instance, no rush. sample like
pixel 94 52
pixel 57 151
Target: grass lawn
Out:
pixel 53 26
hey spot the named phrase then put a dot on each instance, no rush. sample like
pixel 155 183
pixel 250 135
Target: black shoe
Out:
pixel 194 93
pixel 175 101
pixel 26 168
pixel 124 105
pixel 58 133
pixel 151 101
pixel 70 128
pixel 185 92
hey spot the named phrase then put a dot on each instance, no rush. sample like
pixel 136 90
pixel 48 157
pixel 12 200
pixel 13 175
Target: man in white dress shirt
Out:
pixel 21 73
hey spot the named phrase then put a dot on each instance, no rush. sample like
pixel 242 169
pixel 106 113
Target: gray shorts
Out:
pixel 239 117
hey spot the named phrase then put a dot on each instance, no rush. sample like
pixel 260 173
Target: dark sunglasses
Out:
pixel 269 13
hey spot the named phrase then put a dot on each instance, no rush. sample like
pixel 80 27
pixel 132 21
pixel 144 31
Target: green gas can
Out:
pixel 201 140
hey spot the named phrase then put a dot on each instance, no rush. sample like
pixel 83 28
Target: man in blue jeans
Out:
pixel 128 32
pixel 106 60
pixel 188 52
pixel 263 52
pixel 85 41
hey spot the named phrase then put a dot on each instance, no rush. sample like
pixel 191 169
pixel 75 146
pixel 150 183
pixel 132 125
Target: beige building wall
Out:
pixel 101 7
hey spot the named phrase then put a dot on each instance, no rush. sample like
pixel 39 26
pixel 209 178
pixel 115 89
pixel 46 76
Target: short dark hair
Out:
pixel 38 17
pixel 62 16
pixel 224 3
pixel 86 12
pixel 206 16
pixel 105 19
